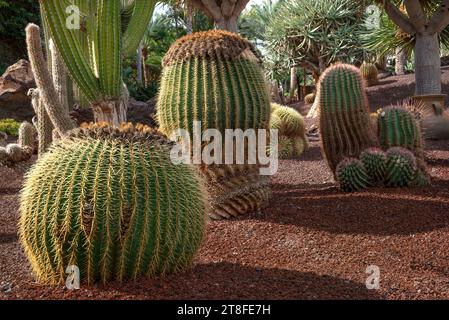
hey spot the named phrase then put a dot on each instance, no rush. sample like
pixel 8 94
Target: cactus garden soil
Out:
pixel 314 241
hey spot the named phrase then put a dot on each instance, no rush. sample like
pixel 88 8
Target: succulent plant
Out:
pixel 351 175
pixel 344 117
pixel 236 189
pixel 374 161
pixel 310 98
pixel 111 202
pixel 27 133
pixel 401 167
pixel 292 121
pixel 216 77
pixel 369 73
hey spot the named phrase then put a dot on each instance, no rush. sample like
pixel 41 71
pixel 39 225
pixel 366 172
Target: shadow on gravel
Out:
pixel 375 211
pixel 234 281
pixel 8 237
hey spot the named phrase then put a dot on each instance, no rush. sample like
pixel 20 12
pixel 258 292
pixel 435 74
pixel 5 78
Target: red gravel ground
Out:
pixel 313 242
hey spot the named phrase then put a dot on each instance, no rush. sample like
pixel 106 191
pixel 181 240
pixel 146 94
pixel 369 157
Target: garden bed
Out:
pixel 313 241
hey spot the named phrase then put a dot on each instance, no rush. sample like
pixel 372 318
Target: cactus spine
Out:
pixel 344 118
pixel 111 202
pixel 352 175
pixel 215 77
pixel 401 167
pixel 93 58
pixel 369 73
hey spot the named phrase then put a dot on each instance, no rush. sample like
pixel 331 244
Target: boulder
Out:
pixel 14 86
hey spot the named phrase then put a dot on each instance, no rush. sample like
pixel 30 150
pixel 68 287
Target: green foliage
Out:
pixel 315 33
pixel 15 15
pixel 10 127
pixel 115 206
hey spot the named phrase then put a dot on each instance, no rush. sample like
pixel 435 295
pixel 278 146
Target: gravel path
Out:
pixel 314 241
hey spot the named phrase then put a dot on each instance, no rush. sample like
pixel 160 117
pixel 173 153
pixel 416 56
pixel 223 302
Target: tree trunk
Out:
pixel 401 61
pixel 189 19
pixel 229 24
pixel 146 69
pixel 427 64
pixel 293 83
pixel 112 111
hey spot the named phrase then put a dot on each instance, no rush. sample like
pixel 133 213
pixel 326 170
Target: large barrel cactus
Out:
pixel 111 202
pixel 215 77
pixel 344 117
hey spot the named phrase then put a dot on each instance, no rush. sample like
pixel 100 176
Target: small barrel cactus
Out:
pixel 375 162
pixel 345 124
pixel 292 121
pixel 351 175
pixel 369 73
pixel 111 202
pixel 310 98
pixel 401 167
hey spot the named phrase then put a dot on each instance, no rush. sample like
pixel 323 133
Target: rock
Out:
pixel 138 112
pixel 14 86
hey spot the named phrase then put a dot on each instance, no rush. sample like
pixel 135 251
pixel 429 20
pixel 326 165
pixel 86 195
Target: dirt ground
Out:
pixel 312 242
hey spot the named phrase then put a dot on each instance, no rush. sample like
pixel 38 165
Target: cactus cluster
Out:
pixel 365 149
pixel 110 201
pixel 291 131
pixel 215 77
pixel 15 153
pixel 369 73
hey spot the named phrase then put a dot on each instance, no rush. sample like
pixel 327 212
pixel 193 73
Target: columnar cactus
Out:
pixel 351 175
pixel 369 73
pixel 344 117
pixel 111 202
pixel 93 53
pixel 402 169
pixel 215 77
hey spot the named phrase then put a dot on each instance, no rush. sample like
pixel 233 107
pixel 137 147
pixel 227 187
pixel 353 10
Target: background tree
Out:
pixel 225 13
pixel 425 20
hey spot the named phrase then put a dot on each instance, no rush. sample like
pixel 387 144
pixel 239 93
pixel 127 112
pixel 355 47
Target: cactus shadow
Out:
pixel 230 281
pixel 377 211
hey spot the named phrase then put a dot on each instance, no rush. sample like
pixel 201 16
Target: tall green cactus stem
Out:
pixel 369 73
pixel 351 175
pixel 27 134
pixel 402 169
pixel 93 56
pixel 375 162
pixel 44 126
pixel 214 77
pixel 47 92
pixel 59 76
pixel 344 117
pixel 111 202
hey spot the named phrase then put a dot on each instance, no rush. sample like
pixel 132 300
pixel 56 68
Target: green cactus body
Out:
pixel 344 117
pixel 401 167
pixel 369 73
pixel 292 121
pixel 375 162
pixel 351 175
pixel 111 202
pixel 214 77
pixel 275 122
